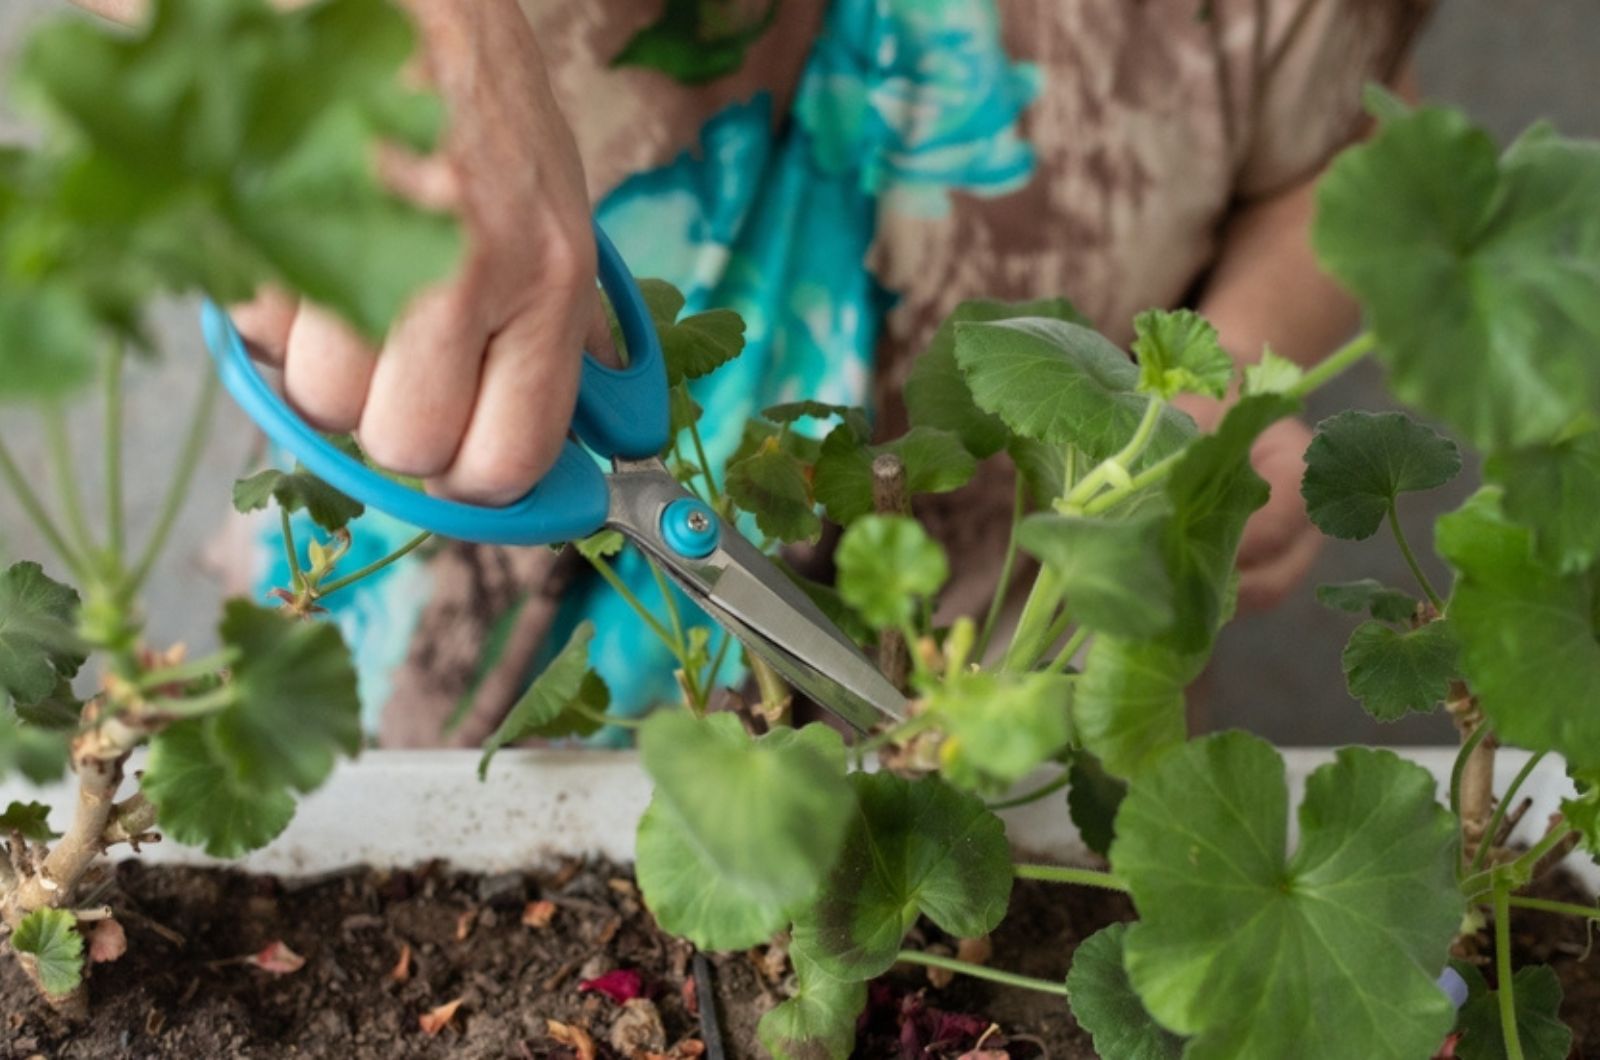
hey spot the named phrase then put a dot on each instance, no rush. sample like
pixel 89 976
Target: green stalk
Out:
pixel 115 512
pixel 978 971
pixel 1502 960
pixel 1038 613
pixel 291 552
pixel 1043 791
pixel 1467 747
pixel 1064 658
pixel 38 514
pixel 60 449
pixel 1525 864
pixel 1086 490
pixel 1411 560
pixel 604 570
pixel 1006 566
pixel 220 698
pixel 602 718
pixel 323 592
pixel 1063 874
pixel 671 605
pixel 188 671
pixel 1500 811
pixel 1543 905
pixel 705 464
pixel 178 491
pixel 1333 365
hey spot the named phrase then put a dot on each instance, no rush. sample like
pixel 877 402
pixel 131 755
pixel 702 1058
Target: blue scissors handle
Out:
pixel 621 413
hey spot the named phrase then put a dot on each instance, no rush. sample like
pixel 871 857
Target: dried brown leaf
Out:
pixel 276 957
pixel 402 967
pixel 576 1037
pixel 464 924
pixel 538 914
pixel 437 1019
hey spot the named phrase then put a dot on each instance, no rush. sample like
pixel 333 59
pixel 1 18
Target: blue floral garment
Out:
pixel 901 102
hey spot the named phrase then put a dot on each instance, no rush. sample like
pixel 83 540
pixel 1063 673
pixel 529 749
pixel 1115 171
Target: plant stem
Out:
pixel 1500 811
pixel 291 552
pixel 1526 863
pixel 1063 874
pixel 1117 467
pixel 604 570
pixel 1564 908
pixel 220 698
pixel 1502 960
pixel 61 462
pixel 115 514
pixel 1148 477
pixel 1468 745
pixel 1027 641
pixel 188 671
pixel 1064 657
pixel 671 606
pixel 1411 560
pixel 1335 364
pixel 1043 791
pixel 178 491
pixel 1006 566
pixel 978 971
pixel 717 660
pixel 323 592
pixel 37 513
pixel 705 464
pixel 604 718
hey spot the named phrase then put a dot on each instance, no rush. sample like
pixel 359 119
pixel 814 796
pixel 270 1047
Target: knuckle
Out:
pixel 423 454
pixel 568 258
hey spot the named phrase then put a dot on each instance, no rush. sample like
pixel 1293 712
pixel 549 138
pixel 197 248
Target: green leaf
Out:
pixel 794 411
pixel 695 41
pixel 1062 383
pixel 38 648
pixel 999 727
pixel 297 490
pixel 1538 1007
pixel 697 345
pixel 915 847
pixel 683 411
pixel 1527 633
pixel 1112 570
pixel 1554 490
pixel 887 563
pixel 603 545
pixel 1359 462
pixel 1332 952
pixel 37 754
pixel 1179 353
pixel 1093 796
pixel 1128 707
pixel 1372 597
pixel 199 803
pixel 771 485
pixel 295 706
pixel 1480 277
pixel 32 819
pixel 819 1021
pixel 740 832
pixel 1043 469
pixel 48 338
pixel 1271 375
pixel 1211 493
pixel 50 937
pixel 546 709
pixel 1105 1005
pixel 936 391
pixel 222 175
pixel 935 461
pixel 1394 673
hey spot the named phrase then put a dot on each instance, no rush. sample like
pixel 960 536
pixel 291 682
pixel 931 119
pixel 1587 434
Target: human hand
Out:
pixel 1279 544
pixel 474 387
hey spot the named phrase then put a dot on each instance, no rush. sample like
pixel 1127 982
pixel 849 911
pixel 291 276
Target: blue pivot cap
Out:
pixel 690 528
pixel 620 413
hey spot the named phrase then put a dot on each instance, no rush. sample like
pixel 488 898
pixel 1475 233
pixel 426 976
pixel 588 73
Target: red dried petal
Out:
pixel 276 957
pixel 622 985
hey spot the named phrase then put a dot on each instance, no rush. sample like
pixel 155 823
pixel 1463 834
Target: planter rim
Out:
pixel 539 806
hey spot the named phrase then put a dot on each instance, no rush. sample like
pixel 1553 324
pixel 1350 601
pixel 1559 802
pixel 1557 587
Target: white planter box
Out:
pixel 398 808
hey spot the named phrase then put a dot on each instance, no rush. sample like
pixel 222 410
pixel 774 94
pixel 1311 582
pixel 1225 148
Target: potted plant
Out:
pixel 1478 273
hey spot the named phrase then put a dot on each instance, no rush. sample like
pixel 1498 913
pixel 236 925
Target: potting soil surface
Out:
pixel 432 963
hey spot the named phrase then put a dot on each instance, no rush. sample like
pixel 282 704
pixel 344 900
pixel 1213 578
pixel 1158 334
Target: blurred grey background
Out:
pixel 1507 62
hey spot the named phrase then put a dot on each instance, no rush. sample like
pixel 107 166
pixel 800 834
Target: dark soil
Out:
pixel 467 940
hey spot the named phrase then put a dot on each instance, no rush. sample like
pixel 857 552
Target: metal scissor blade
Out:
pixel 756 602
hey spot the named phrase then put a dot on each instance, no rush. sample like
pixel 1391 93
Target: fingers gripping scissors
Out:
pixel 621 416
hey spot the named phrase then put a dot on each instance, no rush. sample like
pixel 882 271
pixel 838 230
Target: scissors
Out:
pixel 621 417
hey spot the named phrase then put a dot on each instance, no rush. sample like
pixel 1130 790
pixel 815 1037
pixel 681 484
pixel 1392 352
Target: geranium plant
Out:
pixel 163 172
pixel 1480 275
